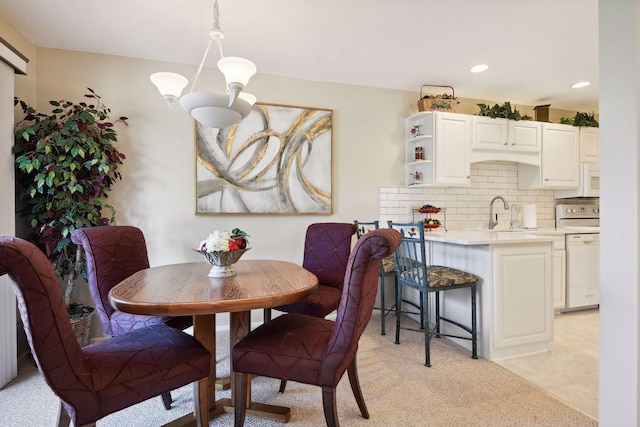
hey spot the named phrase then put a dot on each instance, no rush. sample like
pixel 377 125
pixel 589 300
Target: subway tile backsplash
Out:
pixel 469 207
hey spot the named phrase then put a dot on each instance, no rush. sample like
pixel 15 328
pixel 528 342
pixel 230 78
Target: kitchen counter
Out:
pixel 493 237
pixel 504 236
pixel 515 299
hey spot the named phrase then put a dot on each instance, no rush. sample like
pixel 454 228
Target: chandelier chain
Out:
pixel 215 34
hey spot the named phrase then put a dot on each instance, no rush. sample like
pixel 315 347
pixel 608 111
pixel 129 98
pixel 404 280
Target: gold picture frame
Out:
pixel 277 160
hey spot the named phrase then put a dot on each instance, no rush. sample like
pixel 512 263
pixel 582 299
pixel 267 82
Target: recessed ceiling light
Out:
pixel 580 84
pixel 479 68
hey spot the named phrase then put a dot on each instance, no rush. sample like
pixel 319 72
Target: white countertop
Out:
pixel 496 237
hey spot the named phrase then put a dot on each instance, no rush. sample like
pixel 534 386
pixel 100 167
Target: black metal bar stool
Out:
pixel 387 269
pixel 414 271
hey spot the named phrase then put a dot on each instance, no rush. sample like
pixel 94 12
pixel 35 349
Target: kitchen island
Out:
pixel 515 297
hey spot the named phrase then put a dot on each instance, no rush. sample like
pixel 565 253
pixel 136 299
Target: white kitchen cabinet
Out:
pixel 559 160
pixel 437 147
pixel 507 140
pixel 525 136
pixel 515 296
pixel 522 292
pixel 489 133
pixel 589 145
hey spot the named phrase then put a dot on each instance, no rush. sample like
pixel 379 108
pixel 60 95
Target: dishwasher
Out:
pixel 581 223
pixel 583 270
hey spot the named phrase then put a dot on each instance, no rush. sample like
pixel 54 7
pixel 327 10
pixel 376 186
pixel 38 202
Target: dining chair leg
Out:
pixel 398 311
pixel 427 333
pixel 330 406
pixel 383 308
pixel 240 384
pixel 474 326
pixel 167 400
pixel 283 386
pixel 352 371
pixel 266 315
pixel 64 420
pixel 201 402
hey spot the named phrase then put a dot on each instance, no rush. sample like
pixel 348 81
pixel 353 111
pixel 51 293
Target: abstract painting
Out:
pixel 277 160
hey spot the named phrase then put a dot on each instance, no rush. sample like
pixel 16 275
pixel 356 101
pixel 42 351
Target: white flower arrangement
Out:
pixel 225 241
pixel 222 249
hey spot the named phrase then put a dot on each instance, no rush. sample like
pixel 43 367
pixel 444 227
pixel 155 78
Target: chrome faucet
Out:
pixel 493 223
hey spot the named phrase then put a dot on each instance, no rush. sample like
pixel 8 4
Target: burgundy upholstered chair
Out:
pixel 114 253
pixel 105 377
pixel 327 247
pixel 314 350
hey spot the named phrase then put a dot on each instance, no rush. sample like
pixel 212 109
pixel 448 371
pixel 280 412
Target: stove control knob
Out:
pixel 569 210
pixel 596 210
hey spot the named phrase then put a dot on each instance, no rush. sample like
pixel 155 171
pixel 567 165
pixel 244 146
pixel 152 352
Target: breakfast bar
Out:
pixel 515 301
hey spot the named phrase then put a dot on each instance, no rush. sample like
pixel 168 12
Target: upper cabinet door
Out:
pixel 560 154
pixel 589 145
pixel 525 136
pixel 489 134
pixel 452 150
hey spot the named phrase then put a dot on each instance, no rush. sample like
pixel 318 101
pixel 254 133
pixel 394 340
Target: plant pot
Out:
pixel 82 328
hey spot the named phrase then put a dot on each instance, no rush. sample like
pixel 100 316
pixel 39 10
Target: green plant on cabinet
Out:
pixel 581 120
pixel 504 111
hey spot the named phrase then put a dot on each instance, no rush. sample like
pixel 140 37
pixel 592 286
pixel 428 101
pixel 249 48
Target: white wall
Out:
pixel 8 340
pixel 157 193
pixel 619 23
pixel 158 190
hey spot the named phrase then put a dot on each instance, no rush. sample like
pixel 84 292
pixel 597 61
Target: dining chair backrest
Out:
pixel 44 314
pixel 356 305
pixel 326 250
pixel 113 253
pixel 363 227
pixel 411 257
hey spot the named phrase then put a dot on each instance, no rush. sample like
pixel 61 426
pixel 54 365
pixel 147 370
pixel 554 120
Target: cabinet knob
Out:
pixel 546 179
pixel 504 143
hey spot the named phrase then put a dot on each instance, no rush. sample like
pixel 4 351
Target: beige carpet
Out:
pixel 398 388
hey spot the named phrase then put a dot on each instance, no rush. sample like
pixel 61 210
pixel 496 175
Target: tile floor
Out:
pixel 569 370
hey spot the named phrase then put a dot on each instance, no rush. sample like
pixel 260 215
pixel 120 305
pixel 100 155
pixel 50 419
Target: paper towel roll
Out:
pixel 529 219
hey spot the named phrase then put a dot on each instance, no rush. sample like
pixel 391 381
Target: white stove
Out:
pixel 582 215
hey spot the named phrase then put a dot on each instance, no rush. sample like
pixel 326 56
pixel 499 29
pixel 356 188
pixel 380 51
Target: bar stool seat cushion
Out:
pixel 439 276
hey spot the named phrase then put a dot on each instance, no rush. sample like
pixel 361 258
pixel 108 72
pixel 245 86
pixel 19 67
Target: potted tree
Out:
pixel 66 164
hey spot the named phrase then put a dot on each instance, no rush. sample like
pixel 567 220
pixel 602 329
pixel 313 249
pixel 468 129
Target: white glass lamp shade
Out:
pixel 251 99
pixel 212 110
pixel 237 70
pixel 169 84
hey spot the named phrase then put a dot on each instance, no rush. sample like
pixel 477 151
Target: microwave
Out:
pixel 589 183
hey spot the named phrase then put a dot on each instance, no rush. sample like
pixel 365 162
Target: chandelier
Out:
pixel 215 110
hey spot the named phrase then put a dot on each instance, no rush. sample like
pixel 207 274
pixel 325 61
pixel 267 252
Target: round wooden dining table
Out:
pixel 186 290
